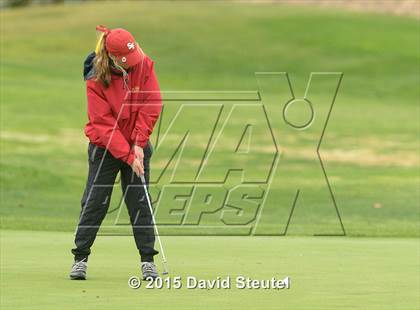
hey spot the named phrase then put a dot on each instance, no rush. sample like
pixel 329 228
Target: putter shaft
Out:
pixel 164 262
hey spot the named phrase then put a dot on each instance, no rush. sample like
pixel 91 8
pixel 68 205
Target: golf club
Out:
pixel 164 263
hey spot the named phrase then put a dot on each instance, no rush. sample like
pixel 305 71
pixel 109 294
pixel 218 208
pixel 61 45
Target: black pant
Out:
pixel 103 170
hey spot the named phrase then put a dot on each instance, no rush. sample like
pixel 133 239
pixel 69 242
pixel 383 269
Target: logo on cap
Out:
pixel 130 45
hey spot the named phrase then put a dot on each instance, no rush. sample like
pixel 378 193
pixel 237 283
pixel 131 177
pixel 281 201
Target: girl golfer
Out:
pixel 124 103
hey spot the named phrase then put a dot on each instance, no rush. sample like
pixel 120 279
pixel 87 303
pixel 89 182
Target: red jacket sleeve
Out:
pixel 105 124
pixel 149 110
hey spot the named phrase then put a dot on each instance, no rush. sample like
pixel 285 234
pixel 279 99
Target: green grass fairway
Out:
pixel 326 273
pixel 370 152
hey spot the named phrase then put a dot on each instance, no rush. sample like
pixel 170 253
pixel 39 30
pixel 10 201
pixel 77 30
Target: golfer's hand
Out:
pixel 137 167
pixel 138 152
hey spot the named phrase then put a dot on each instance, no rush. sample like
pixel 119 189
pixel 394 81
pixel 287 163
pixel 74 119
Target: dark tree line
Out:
pixel 21 3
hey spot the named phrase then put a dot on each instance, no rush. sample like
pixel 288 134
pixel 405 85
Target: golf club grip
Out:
pixel 143 179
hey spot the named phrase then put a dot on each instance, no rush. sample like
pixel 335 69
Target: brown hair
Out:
pixel 101 64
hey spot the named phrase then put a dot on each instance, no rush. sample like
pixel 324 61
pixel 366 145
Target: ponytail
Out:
pixel 102 60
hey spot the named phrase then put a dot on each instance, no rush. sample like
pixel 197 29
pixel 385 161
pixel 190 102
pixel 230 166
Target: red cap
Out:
pixel 121 44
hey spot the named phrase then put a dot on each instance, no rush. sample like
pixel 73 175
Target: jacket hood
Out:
pixel 88 69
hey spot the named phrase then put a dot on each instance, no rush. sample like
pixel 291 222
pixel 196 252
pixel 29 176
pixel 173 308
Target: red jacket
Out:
pixel 136 112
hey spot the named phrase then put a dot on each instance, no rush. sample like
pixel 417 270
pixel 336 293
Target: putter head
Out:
pixel 165 268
